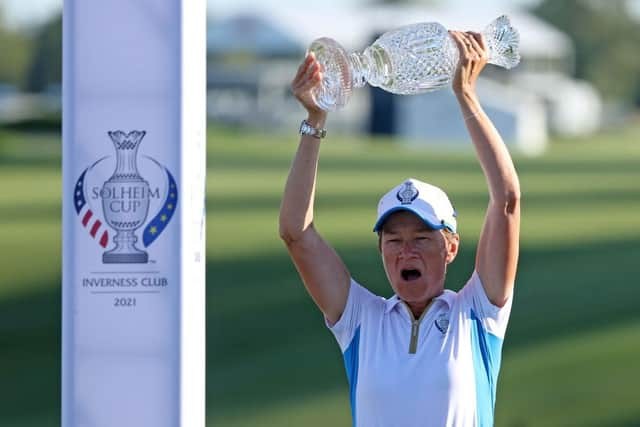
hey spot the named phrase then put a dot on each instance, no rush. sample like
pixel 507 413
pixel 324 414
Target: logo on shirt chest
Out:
pixel 442 323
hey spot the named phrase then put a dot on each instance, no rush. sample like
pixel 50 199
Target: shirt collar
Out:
pixel 446 297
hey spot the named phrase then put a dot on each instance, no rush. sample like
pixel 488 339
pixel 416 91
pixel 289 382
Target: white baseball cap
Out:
pixel 427 201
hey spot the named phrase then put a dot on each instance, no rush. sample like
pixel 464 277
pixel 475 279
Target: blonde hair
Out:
pixel 450 236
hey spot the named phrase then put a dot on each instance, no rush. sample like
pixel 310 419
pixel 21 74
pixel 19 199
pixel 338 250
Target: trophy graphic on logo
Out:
pixel 125 200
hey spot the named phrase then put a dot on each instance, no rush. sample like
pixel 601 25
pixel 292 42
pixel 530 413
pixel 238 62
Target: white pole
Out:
pixel 133 317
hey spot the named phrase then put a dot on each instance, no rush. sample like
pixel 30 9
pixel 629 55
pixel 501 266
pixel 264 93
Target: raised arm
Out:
pixel 321 269
pixel 497 253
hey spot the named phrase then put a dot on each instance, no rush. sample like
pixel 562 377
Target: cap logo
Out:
pixel 408 193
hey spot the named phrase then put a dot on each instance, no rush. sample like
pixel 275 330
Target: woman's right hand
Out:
pixel 308 77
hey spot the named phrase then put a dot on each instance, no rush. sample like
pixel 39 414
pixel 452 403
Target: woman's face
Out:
pixel 415 257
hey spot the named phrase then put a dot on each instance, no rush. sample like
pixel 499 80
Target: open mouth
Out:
pixel 410 274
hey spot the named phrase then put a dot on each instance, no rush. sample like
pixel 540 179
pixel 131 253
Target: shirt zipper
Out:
pixel 413 344
pixel 415 327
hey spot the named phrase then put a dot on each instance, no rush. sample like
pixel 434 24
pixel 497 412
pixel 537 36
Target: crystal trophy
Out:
pixel 413 59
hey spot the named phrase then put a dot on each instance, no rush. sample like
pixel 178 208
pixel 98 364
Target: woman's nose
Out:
pixel 407 248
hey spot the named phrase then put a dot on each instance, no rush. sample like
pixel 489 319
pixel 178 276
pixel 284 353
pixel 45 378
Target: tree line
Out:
pixel 605 35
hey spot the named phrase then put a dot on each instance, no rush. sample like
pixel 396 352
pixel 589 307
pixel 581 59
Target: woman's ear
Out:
pixel 453 244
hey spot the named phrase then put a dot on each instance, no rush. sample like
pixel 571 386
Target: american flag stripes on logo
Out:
pixel 89 220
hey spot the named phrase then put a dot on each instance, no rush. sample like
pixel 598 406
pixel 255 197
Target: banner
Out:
pixel 133 213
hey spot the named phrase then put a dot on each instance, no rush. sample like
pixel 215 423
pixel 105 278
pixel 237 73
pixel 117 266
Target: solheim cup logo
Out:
pixel 408 193
pixel 125 199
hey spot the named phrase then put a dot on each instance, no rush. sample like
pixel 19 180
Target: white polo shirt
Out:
pixel 445 375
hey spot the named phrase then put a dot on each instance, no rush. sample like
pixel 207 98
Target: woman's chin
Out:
pixel 415 290
pixel 410 290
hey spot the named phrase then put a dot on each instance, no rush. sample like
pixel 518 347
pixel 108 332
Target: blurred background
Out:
pixel 568 112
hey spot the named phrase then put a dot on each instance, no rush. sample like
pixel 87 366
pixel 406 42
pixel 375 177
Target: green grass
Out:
pixel 572 348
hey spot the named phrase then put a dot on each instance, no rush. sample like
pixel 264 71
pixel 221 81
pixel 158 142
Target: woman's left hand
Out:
pixel 473 58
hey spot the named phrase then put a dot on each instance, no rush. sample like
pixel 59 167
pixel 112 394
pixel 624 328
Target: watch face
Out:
pixel 307 129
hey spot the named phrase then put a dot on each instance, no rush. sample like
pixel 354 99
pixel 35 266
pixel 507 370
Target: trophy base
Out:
pixel 133 258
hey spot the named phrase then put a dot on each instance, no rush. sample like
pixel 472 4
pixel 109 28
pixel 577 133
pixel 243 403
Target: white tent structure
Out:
pixel 353 28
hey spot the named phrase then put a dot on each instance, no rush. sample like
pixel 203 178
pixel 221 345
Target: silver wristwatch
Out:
pixel 307 129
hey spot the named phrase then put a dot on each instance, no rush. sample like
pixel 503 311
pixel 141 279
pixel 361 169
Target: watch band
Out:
pixel 307 129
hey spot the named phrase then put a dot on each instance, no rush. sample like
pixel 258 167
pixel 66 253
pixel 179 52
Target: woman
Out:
pixel 427 356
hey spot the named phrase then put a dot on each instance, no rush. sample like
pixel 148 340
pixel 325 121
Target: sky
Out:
pixel 24 13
